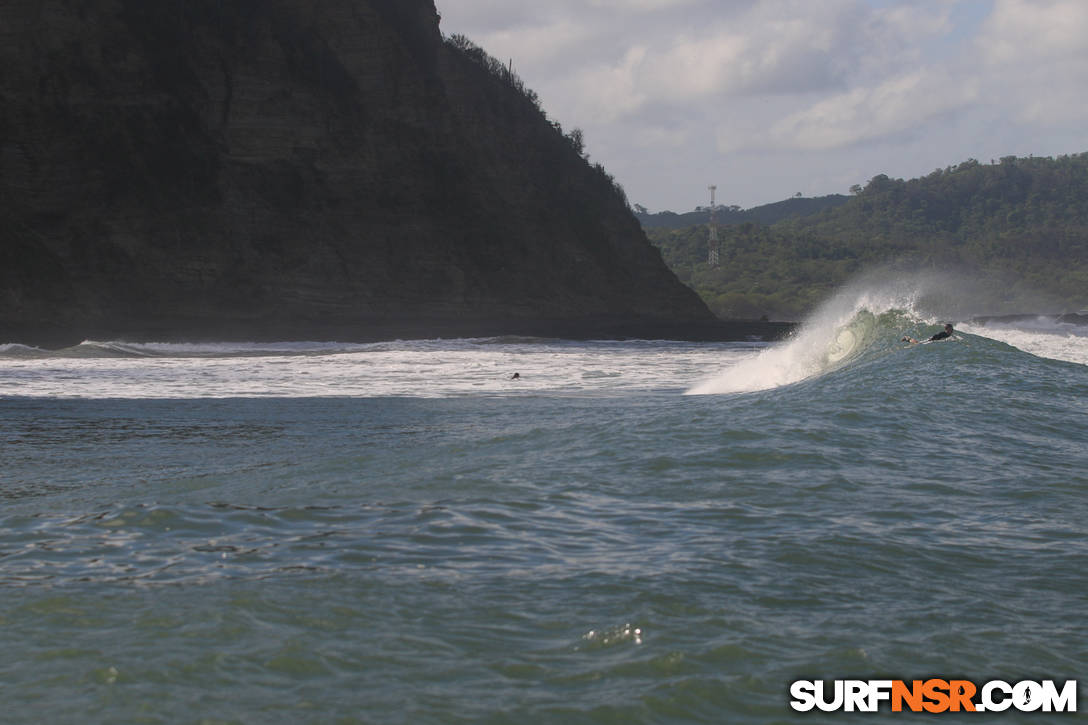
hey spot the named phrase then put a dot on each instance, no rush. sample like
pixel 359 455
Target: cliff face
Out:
pixel 293 168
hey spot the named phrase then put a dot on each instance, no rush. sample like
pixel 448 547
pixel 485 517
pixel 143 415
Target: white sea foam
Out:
pixel 429 368
pixel 214 349
pixel 1042 336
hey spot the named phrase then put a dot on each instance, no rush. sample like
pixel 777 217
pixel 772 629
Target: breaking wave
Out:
pixel 853 324
pixel 870 318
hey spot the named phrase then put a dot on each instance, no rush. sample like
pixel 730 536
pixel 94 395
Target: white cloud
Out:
pixel 535 43
pixel 691 68
pixel 642 5
pixel 761 52
pixel 607 92
pixel 896 105
pixel 836 84
pixel 1020 30
pixel 1035 57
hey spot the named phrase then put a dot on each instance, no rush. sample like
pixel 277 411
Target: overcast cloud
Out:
pixel 767 98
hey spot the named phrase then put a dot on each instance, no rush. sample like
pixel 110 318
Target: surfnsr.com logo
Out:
pixel 933 695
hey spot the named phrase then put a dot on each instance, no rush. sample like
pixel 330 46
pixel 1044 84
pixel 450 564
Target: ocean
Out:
pixel 630 532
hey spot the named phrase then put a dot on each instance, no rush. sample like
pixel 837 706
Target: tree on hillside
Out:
pixel 1023 221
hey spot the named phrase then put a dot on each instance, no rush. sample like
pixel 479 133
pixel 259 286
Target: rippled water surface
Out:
pixel 318 533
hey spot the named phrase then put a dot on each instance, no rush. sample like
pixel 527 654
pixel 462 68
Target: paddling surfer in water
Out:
pixel 947 332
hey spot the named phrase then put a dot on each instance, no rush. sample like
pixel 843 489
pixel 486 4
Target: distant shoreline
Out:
pixel 56 337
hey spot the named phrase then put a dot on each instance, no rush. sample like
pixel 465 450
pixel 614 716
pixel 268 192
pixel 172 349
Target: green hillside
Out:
pixel 1019 224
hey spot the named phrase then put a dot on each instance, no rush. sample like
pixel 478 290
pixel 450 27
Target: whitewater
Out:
pixel 630 531
pixel 851 326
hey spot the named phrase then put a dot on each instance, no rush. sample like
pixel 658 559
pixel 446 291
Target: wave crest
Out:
pixel 851 324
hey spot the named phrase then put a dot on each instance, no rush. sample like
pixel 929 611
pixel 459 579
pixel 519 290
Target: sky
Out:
pixel 769 98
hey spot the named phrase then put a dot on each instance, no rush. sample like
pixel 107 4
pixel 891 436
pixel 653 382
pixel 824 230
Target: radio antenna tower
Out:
pixel 712 241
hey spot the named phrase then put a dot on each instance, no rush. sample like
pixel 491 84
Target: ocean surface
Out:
pixel 632 532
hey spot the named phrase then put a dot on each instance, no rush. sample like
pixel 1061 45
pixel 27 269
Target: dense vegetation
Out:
pixel 1021 223
pixel 766 214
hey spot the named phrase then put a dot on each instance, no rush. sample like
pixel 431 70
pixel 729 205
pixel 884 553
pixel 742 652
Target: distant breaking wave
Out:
pixel 126 349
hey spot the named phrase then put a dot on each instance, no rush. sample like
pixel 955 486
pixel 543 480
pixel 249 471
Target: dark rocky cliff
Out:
pixel 295 169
